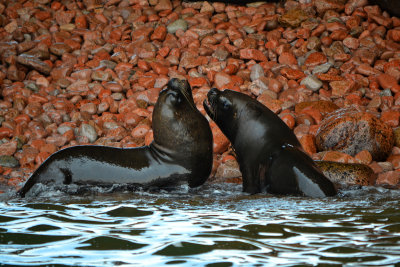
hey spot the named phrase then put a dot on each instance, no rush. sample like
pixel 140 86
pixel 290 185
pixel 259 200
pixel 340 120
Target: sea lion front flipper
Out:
pixel 294 172
pixel 251 182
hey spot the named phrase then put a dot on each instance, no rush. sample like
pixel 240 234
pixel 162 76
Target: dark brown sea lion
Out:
pixel 181 151
pixel 269 155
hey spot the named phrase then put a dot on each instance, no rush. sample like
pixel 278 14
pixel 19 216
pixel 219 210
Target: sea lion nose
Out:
pixel 174 83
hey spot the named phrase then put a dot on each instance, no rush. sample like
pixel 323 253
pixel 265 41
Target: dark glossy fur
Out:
pixel 269 155
pixel 181 151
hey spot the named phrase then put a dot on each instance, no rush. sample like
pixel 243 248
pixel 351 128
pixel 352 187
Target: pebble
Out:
pixel 342 88
pixel 388 178
pixel 256 72
pixel 88 131
pixel 312 83
pixel 179 24
pixel 8 161
pixel 322 68
pixel 227 170
pixel 34 63
pixel 101 76
pixel 221 79
pixel 8 148
pixel 60 49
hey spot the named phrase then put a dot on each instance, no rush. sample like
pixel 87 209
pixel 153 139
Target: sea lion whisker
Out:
pixel 188 98
pixel 213 107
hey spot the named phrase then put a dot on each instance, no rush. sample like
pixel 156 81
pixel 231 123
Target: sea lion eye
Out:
pixel 174 98
pixel 225 104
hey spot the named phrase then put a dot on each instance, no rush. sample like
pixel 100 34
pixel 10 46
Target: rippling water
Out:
pixel 209 226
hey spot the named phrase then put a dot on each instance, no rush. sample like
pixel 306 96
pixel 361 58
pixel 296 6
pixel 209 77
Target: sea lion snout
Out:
pixel 178 84
pixel 210 101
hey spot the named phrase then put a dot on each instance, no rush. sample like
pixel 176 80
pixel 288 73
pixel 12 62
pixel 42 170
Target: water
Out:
pixel 211 226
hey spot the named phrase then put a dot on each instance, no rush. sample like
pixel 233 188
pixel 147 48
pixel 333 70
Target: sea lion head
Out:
pixel 181 131
pixel 224 107
pixel 173 115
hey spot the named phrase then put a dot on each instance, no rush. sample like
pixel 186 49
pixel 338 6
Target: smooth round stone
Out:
pixel 8 161
pixel 256 72
pixel 87 130
pixel 312 83
pixel 323 68
pixel 178 24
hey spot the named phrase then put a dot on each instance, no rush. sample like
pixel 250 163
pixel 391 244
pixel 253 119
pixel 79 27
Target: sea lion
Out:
pixel 269 155
pixel 181 151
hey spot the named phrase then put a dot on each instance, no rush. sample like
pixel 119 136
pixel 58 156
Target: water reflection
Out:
pixel 210 226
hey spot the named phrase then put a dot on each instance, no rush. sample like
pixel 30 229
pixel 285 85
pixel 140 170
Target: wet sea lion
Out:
pixel 181 151
pixel 269 155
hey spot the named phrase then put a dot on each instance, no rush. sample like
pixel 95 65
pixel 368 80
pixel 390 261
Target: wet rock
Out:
pixel 101 76
pixel 79 86
pixel 59 73
pixel 342 88
pixel 83 75
pixel 163 5
pixel 227 170
pixel 347 174
pixel 254 54
pixel 42 54
pixel 293 18
pixel 67 27
pixel 34 63
pixel 221 54
pixel 63 129
pixel 11 27
pixel 220 142
pixel 8 161
pixel 389 178
pixel 312 83
pixel 14 74
pixel 179 24
pixel 315 59
pixel 8 148
pixel 256 72
pixel 396 132
pixel 323 68
pixel 287 58
pixel 60 49
pixel 191 60
pixel 92 4
pixel 88 131
pixel 207 7
pixel 351 131
pixel 324 5
pixel 108 64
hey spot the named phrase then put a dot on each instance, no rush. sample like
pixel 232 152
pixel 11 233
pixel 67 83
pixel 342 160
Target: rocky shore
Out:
pixel 89 72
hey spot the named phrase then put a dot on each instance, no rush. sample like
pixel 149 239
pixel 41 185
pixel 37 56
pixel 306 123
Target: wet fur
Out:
pixel 181 152
pixel 269 155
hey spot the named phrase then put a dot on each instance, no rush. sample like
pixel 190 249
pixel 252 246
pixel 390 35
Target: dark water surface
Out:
pixel 211 226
